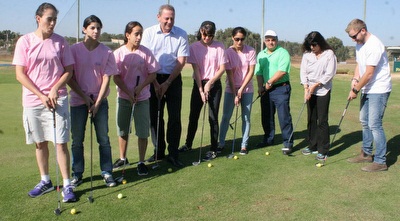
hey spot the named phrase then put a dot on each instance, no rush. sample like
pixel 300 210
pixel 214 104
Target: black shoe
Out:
pixel 120 163
pixel 153 158
pixel 142 169
pixel 243 151
pixel 210 155
pixel 264 144
pixel 174 161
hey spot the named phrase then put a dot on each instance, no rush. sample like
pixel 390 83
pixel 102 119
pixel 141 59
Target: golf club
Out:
pixel 333 139
pixel 196 163
pixel 58 210
pixel 121 178
pixel 90 198
pixel 286 150
pixel 237 117
pixel 231 155
pixel 156 165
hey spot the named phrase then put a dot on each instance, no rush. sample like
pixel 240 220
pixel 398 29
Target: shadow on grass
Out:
pixel 393 150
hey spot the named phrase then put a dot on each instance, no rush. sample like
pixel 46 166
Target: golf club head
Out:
pixel 196 163
pixel 230 156
pixel 155 166
pixel 119 179
pixel 57 211
pixel 90 198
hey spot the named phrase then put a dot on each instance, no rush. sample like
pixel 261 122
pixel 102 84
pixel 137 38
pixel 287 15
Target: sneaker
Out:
pixel 120 163
pixel 41 188
pixel 375 167
pixel 109 180
pixel 243 151
pixel 210 155
pixel 286 150
pixel 184 148
pixel 142 169
pixel 320 157
pixel 68 194
pixel 76 181
pixel 308 151
pixel 220 149
pixel 361 158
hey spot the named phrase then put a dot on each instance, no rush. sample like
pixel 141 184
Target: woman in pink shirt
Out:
pixel 239 86
pixel 94 64
pixel 208 61
pixel 43 63
pixel 137 69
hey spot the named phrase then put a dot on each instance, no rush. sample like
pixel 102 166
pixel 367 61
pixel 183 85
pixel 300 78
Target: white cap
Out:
pixel 270 33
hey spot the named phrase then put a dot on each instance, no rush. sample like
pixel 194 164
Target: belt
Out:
pixel 281 84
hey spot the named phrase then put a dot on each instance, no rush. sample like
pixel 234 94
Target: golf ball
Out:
pixel 235 157
pixel 124 181
pixel 319 165
pixel 267 153
pixel 170 170
pixel 120 196
pixel 73 211
pixel 209 165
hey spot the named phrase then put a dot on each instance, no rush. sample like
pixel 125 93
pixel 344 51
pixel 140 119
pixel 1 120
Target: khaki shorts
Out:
pixel 141 117
pixel 39 124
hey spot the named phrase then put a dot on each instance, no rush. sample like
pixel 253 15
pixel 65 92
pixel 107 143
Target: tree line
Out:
pixel 9 38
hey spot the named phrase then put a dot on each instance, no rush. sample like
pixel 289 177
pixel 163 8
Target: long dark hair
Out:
pixel 314 38
pixel 208 28
pixel 128 29
pixel 90 19
pixel 239 30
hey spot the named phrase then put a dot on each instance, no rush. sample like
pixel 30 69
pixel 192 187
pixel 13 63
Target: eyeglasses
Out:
pixel 239 39
pixel 355 36
pixel 206 35
pixel 313 44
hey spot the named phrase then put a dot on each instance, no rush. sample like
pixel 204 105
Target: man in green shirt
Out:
pixel 272 71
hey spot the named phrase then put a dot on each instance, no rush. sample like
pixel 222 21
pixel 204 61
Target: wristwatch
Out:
pixel 269 84
pixel 355 90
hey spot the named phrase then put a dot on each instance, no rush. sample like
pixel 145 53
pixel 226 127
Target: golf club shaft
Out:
pixel 234 131
pixel 298 119
pixel 202 130
pixel 237 117
pixel 157 129
pixel 56 155
pixel 91 152
pixel 129 129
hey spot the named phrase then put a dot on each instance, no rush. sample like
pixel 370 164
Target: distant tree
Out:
pixel 341 52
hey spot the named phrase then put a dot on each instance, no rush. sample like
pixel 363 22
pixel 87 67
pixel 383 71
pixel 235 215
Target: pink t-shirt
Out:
pixel 140 62
pixel 89 69
pixel 239 63
pixel 44 62
pixel 208 58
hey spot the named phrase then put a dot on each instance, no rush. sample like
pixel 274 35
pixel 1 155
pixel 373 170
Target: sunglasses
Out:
pixel 355 36
pixel 238 39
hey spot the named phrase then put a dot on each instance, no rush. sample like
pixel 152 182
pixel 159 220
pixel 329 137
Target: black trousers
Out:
pixel 196 104
pixel 173 100
pixel 318 126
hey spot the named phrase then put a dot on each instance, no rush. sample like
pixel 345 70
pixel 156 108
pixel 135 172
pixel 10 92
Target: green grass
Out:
pixel 254 187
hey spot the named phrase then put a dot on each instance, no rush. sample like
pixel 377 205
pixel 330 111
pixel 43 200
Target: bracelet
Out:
pixel 355 79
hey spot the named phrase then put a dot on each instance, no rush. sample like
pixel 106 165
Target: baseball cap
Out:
pixel 270 33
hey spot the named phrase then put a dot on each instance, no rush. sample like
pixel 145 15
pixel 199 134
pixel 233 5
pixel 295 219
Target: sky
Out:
pixel 291 19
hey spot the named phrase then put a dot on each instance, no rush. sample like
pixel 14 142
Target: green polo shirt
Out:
pixel 268 64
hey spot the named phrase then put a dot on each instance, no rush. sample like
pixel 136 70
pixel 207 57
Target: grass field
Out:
pixel 254 187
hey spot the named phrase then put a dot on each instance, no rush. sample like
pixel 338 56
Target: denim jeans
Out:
pixel 372 109
pixel 79 116
pixel 277 99
pixel 229 105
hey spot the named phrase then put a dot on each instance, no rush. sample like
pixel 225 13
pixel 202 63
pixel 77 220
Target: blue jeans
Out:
pixel 372 109
pixel 229 105
pixel 79 116
pixel 277 99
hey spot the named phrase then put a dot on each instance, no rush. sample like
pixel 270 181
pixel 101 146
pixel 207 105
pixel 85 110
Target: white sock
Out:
pixel 66 182
pixel 45 178
pixel 123 159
